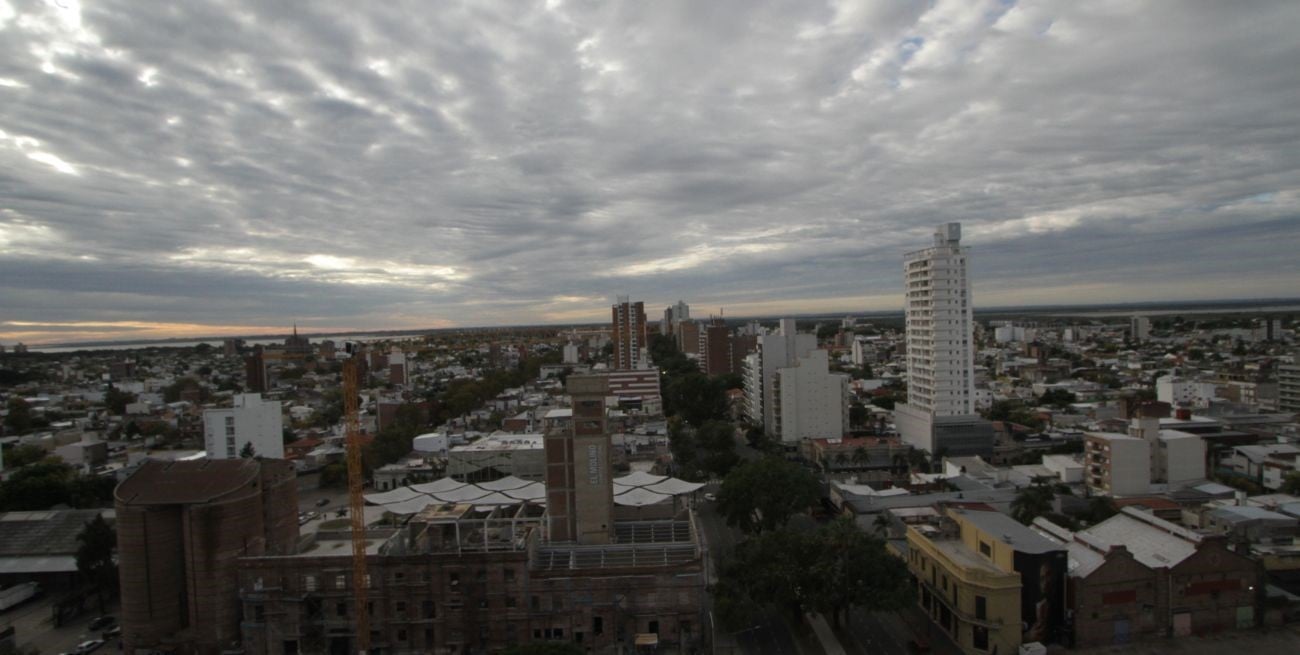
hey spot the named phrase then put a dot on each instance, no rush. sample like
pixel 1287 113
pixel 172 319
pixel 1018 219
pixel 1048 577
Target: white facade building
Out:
pixel 1140 328
pixel 251 420
pixel 570 353
pixel 811 401
pixel 775 351
pixel 940 410
pixel 1184 391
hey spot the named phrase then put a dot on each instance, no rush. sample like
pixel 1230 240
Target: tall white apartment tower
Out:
pixel 940 355
pixel 940 409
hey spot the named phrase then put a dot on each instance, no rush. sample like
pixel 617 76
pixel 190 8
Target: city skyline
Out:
pixel 403 169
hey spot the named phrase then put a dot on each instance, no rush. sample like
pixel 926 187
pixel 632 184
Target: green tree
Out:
pixel 883 402
pixel 695 397
pixel 19 420
pixel 1291 484
pixel 23 454
pixel 857 414
pixel 1031 503
pixel 1058 398
pixel 829 570
pixel 116 400
pixel 853 569
pixel 95 547
pixel 248 451
pixel 716 441
pixel 395 441
pixel 334 475
pixel 761 495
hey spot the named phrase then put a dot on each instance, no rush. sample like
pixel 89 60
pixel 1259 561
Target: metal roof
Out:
pixel 184 483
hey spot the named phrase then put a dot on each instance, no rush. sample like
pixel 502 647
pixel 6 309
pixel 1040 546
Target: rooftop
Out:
pixel 186 482
pixel 52 532
pixel 1008 530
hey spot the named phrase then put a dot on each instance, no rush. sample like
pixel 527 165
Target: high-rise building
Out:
pixel 715 354
pixel 630 339
pixel 1140 328
pixel 673 315
pixel 397 367
pixel 775 351
pixel 940 410
pixel 251 420
pixel 255 377
pixel 181 529
pixel 1288 386
pixel 811 401
pixel 688 337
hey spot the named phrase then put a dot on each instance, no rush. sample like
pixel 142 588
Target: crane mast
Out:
pixel 356 504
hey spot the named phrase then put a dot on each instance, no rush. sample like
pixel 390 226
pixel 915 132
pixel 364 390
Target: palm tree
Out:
pixel 840 459
pixel 1031 503
pixel 881 524
pixel 861 456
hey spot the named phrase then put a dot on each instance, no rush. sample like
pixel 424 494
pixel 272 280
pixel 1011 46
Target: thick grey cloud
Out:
pixel 192 166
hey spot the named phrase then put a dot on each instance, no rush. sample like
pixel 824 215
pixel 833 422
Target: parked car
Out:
pixel 710 497
pixel 112 633
pixel 102 622
pixel 322 502
pixel 89 646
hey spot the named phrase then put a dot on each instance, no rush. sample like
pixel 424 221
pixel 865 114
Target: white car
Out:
pixel 710 497
pixel 89 646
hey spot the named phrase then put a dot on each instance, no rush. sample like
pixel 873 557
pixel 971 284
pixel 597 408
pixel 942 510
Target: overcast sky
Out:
pixel 211 168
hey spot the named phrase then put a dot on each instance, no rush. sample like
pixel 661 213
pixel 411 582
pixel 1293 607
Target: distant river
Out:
pixel 217 342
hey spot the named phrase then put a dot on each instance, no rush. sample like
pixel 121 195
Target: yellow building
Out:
pixel 988 581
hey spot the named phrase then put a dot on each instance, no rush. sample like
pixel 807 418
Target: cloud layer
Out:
pixel 401 164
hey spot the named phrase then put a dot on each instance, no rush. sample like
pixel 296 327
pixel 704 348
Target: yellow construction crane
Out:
pixel 356 504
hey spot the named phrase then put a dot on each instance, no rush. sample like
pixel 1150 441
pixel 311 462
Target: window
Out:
pixel 453 580
pixel 481 576
pixel 510 575
pixel 341 609
pixel 427 609
pixel 309 583
pixel 340 581
pixel 401 606
pixel 510 601
pixel 980 637
pixel 986 549
pixel 597 625
pixel 401 635
pixel 981 607
pixel 259 613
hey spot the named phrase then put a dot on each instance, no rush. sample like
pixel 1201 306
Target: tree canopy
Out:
pixel 1031 503
pixel 696 398
pixel 709 450
pixel 95 554
pixel 828 570
pixel 19 419
pixel 761 495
